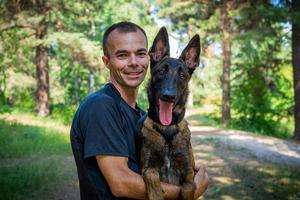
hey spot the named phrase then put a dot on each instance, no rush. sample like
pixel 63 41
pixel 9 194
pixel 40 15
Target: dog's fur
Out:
pixel 166 153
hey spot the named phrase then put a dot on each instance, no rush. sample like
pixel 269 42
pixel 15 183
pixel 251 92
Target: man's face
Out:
pixel 127 58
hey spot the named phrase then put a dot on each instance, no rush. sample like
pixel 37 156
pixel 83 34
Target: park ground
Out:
pixel 36 162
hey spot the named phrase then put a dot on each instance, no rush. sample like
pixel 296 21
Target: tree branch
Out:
pixel 6 27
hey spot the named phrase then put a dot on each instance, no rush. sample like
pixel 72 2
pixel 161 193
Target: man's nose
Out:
pixel 133 60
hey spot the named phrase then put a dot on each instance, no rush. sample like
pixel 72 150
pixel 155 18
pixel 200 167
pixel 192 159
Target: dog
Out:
pixel 165 150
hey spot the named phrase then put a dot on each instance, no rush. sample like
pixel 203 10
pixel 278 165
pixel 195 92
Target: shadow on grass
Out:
pixel 34 161
pixel 237 174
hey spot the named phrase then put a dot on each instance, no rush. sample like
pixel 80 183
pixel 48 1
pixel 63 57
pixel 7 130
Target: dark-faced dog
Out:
pixel 166 153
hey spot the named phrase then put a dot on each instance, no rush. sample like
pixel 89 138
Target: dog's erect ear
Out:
pixel 191 54
pixel 160 47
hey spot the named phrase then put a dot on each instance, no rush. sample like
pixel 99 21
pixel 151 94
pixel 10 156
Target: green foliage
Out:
pixel 265 125
pixel 63 112
pixel 261 85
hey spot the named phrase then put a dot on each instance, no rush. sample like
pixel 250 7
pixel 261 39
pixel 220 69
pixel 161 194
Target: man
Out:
pixel 102 133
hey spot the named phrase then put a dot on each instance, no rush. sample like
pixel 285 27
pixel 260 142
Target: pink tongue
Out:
pixel 165 112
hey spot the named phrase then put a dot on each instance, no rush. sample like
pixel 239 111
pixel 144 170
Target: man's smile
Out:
pixel 134 74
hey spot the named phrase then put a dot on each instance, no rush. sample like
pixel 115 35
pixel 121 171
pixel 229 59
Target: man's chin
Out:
pixel 134 84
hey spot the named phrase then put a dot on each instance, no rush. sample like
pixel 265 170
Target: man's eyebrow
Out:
pixel 142 49
pixel 125 51
pixel 121 51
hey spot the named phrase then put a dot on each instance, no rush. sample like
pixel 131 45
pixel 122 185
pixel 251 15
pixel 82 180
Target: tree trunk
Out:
pixel 42 74
pixel 296 68
pixel 226 63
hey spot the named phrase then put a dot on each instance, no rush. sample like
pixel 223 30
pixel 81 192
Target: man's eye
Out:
pixel 122 55
pixel 142 54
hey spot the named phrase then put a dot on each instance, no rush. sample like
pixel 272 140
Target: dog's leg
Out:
pixel 153 186
pixel 188 186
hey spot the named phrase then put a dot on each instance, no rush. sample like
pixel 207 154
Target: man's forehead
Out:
pixel 118 34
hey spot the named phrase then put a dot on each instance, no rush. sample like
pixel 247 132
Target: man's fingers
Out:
pixel 201 181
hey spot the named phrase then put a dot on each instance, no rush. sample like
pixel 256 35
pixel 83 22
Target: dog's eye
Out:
pixel 161 71
pixel 182 76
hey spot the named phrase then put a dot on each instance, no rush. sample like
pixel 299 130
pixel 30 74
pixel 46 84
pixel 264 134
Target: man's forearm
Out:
pixel 135 187
pixel 170 191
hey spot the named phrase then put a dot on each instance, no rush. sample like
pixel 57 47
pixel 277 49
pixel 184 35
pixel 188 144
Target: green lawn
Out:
pixel 33 161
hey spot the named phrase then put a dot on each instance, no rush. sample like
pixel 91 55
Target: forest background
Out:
pixel 50 57
pixel 248 79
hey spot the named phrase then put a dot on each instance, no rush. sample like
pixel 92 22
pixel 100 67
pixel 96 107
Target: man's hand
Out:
pixel 201 181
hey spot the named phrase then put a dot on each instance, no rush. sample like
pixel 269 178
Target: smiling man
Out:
pixel 102 135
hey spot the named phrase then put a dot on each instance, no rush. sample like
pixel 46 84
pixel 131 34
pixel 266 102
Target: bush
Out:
pixel 24 99
pixel 263 125
pixel 63 113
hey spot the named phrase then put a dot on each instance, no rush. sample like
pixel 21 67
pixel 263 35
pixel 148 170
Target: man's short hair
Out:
pixel 122 27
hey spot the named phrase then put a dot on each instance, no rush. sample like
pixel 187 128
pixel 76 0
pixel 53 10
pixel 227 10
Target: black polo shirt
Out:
pixel 104 124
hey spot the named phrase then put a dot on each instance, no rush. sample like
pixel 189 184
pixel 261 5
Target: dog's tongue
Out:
pixel 165 112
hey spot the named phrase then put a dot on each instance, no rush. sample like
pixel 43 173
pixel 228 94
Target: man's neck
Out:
pixel 128 94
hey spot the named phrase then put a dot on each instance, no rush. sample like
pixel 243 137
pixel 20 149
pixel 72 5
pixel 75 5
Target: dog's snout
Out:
pixel 168 94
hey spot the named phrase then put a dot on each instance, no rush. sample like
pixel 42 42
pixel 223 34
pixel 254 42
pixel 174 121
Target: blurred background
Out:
pixel 50 60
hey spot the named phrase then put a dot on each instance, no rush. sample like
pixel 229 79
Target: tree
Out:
pixel 226 7
pixel 14 19
pixel 42 67
pixel 296 66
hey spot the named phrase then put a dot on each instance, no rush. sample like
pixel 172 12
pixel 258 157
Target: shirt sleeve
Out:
pixel 104 133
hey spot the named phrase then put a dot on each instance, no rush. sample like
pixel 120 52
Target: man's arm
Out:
pixel 123 182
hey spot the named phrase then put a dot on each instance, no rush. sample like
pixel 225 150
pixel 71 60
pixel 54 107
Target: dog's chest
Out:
pixel 168 149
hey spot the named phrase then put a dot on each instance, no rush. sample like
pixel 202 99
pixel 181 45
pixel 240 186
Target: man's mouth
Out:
pixel 133 74
pixel 165 112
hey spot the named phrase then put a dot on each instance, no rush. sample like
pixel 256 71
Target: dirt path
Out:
pixel 243 166
pixel 271 149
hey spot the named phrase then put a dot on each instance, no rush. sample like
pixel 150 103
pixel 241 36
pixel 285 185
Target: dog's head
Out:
pixel 168 86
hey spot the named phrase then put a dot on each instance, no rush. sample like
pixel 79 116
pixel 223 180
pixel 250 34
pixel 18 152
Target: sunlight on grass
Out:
pixel 226 180
pixel 19 140
pixel 226 197
pixel 33 120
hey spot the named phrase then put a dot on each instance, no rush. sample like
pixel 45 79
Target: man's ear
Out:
pixel 105 60
pixel 191 54
pixel 160 47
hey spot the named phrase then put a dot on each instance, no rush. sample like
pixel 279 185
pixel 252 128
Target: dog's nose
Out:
pixel 168 94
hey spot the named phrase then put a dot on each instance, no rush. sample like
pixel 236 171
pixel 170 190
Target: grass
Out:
pixel 271 128
pixel 32 160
